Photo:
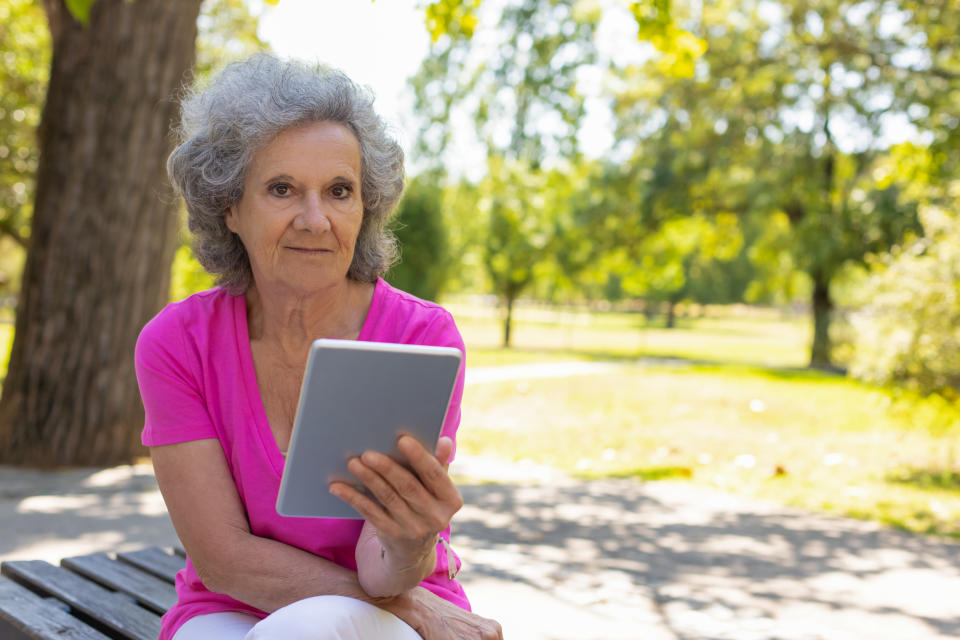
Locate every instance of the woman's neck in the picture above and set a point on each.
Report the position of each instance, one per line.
(290, 322)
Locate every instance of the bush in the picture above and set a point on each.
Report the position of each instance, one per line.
(424, 262)
(908, 330)
(187, 276)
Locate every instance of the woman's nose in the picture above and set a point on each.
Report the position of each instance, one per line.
(312, 217)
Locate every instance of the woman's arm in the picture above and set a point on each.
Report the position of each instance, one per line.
(210, 519)
(211, 522)
(397, 548)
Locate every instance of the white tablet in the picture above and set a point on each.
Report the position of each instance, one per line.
(360, 396)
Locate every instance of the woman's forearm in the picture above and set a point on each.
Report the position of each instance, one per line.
(268, 575)
(381, 573)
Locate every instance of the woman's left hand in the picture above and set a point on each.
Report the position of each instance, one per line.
(415, 504)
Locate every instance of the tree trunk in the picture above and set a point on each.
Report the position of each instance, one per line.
(822, 310)
(508, 318)
(103, 232)
(671, 314)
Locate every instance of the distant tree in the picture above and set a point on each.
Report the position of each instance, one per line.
(517, 241)
(785, 118)
(418, 225)
(525, 108)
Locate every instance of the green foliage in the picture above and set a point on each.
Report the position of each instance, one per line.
(24, 70)
(80, 9)
(226, 32)
(679, 49)
(187, 276)
(676, 256)
(418, 225)
(908, 332)
(781, 124)
(458, 19)
(453, 18)
(518, 233)
(538, 46)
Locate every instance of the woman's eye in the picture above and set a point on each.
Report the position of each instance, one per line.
(280, 189)
(340, 191)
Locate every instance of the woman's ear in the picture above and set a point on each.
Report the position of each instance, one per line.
(230, 218)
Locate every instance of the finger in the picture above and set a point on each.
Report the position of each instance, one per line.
(424, 512)
(444, 451)
(431, 472)
(385, 479)
(364, 505)
(394, 478)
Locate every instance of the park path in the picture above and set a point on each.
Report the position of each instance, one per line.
(554, 558)
(603, 560)
(619, 559)
(563, 369)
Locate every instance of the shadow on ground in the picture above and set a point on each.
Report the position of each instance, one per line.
(51, 514)
(716, 567)
(599, 559)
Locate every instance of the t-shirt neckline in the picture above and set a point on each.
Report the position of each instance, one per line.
(252, 390)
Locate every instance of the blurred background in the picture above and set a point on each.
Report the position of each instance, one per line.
(747, 211)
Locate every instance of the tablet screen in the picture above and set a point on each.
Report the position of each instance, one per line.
(359, 396)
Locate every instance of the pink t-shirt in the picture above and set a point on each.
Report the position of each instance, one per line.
(197, 381)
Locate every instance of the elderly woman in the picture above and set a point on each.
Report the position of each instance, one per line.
(289, 178)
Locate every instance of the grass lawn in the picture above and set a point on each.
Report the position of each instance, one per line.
(751, 337)
(755, 425)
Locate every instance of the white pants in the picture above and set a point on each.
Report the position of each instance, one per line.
(317, 618)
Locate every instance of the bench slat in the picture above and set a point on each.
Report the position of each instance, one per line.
(150, 591)
(155, 561)
(113, 610)
(23, 614)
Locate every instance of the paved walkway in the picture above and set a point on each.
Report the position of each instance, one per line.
(563, 369)
(597, 560)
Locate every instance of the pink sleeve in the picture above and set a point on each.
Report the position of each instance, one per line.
(173, 403)
(443, 332)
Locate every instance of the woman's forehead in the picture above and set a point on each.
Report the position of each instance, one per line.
(323, 145)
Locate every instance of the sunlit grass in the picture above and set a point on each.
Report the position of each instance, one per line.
(766, 340)
(734, 411)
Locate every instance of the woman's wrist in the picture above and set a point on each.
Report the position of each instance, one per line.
(383, 572)
(407, 561)
(406, 606)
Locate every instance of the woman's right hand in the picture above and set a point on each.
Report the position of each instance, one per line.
(437, 619)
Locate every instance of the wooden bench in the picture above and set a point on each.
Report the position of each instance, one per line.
(92, 597)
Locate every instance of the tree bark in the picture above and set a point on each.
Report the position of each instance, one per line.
(822, 312)
(103, 232)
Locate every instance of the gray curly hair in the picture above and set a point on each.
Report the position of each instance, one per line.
(242, 109)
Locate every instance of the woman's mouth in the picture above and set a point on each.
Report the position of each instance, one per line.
(311, 251)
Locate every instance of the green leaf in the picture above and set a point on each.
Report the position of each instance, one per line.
(80, 9)
(451, 17)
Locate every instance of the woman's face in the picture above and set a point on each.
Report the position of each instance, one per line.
(301, 210)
